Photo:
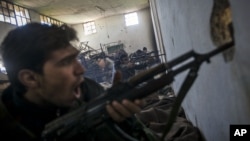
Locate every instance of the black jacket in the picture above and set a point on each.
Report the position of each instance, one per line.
(22, 120)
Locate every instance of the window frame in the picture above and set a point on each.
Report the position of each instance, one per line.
(14, 14)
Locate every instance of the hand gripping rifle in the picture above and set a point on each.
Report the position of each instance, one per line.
(91, 115)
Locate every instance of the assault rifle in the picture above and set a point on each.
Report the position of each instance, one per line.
(93, 114)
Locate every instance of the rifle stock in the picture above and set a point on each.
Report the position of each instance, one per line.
(139, 86)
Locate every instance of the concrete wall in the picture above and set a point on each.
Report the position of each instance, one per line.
(5, 28)
(220, 95)
(113, 29)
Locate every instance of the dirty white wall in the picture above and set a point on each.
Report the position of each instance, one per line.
(220, 95)
(5, 28)
(113, 29)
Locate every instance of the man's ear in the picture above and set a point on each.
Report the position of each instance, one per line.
(28, 78)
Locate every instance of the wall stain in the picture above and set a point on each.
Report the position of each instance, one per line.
(221, 27)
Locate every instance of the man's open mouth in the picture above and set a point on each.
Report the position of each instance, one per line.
(77, 92)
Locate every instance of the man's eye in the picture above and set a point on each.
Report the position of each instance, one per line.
(66, 62)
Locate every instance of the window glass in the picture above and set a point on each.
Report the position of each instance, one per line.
(48, 20)
(10, 13)
(89, 28)
(131, 19)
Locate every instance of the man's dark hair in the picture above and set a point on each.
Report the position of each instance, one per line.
(29, 46)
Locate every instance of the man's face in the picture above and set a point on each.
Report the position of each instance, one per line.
(125, 60)
(62, 76)
(101, 63)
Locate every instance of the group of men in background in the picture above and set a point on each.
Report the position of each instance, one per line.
(101, 67)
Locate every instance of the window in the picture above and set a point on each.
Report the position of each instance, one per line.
(47, 20)
(89, 28)
(131, 19)
(13, 14)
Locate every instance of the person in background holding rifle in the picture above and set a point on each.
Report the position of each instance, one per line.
(124, 65)
(46, 81)
(106, 67)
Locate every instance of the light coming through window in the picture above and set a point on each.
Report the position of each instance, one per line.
(131, 19)
(89, 28)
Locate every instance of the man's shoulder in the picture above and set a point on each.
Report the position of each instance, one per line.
(5, 117)
(11, 128)
(4, 113)
(2, 108)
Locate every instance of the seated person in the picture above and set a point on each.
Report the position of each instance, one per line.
(106, 69)
(123, 64)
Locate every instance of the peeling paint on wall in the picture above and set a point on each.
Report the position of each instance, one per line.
(222, 27)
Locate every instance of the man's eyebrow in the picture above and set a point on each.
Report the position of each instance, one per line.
(71, 56)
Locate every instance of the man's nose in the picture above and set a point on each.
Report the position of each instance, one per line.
(79, 69)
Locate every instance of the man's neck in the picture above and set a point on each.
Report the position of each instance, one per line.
(35, 98)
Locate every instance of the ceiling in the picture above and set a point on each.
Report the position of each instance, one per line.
(79, 11)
